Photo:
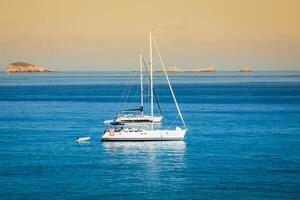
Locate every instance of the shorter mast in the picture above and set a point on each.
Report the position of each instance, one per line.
(167, 77)
(142, 89)
(151, 79)
(151, 76)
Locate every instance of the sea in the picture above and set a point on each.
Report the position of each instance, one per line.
(243, 139)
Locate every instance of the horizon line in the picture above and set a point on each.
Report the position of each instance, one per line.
(58, 71)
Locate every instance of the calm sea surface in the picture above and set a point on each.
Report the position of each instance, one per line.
(243, 140)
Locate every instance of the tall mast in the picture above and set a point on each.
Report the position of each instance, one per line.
(167, 77)
(151, 75)
(142, 92)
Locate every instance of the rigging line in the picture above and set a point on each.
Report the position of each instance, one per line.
(167, 77)
(122, 96)
(171, 125)
(126, 89)
(129, 90)
(155, 96)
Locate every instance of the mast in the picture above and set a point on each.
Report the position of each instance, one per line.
(142, 92)
(167, 77)
(151, 76)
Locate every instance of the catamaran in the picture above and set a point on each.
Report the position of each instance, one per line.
(124, 133)
(140, 117)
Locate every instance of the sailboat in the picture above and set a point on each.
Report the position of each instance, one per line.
(142, 134)
(135, 118)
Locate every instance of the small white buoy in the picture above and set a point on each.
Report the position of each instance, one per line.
(83, 139)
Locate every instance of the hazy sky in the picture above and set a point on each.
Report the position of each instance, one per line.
(108, 34)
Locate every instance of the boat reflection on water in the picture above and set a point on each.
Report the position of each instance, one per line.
(153, 146)
(147, 163)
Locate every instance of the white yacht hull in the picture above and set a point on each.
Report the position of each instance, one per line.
(144, 135)
(135, 119)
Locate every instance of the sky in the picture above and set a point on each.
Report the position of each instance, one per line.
(109, 34)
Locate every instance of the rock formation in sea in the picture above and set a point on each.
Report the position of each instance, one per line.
(173, 69)
(207, 69)
(25, 67)
(177, 69)
(246, 68)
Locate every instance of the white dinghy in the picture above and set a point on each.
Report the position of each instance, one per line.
(141, 134)
(83, 139)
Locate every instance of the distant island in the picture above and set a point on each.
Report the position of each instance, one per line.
(246, 68)
(176, 69)
(25, 67)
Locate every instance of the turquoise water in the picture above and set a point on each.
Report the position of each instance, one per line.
(243, 140)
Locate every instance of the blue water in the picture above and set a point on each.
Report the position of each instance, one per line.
(243, 140)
